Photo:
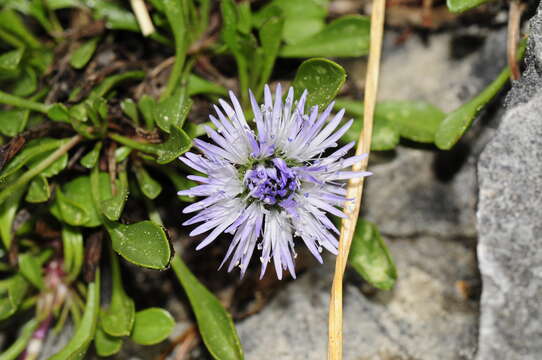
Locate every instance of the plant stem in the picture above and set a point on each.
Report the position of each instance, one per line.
(133, 144)
(177, 20)
(36, 170)
(355, 186)
(22, 103)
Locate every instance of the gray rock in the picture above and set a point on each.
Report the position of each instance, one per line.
(509, 221)
(510, 242)
(423, 318)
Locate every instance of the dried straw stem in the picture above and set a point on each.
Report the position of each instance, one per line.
(355, 186)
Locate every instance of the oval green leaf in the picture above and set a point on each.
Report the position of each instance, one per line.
(152, 326)
(13, 121)
(214, 322)
(370, 256)
(38, 190)
(149, 187)
(415, 120)
(105, 344)
(12, 293)
(322, 79)
(82, 55)
(345, 37)
(30, 267)
(118, 318)
(144, 243)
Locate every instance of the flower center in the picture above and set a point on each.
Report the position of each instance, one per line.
(271, 182)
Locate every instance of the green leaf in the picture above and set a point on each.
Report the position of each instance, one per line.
(198, 85)
(322, 78)
(12, 22)
(9, 63)
(244, 24)
(54, 169)
(118, 318)
(177, 16)
(270, 40)
(458, 6)
(78, 344)
(129, 108)
(13, 121)
(63, 4)
(214, 323)
(234, 41)
(38, 190)
(344, 37)
(177, 144)
(111, 81)
(385, 135)
(458, 121)
(12, 292)
(91, 158)
(73, 211)
(72, 244)
(26, 83)
(116, 17)
(31, 150)
(58, 112)
(152, 326)
(144, 243)
(173, 110)
(30, 268)
(415, 120)
(20, 344)
(149, 187)
(302, 18)
(105, 344)
(73, 203)
(8, 210)
(146, 105)
(370, 256)
(82, 55)
(112, 205)
(121, 153)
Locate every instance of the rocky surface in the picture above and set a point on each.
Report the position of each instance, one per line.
(509, 222)
(423, 318)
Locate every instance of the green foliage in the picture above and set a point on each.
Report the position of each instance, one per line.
(322, 79)
(370, 256)
(78, 344)
(152, 326)
(458, 121)
(413, 120)
(345, 37)
(459, 6)
(215, 324)
(82, 55)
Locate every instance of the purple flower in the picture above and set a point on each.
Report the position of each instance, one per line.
(271, 186)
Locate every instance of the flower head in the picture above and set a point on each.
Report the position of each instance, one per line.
(271, 186)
